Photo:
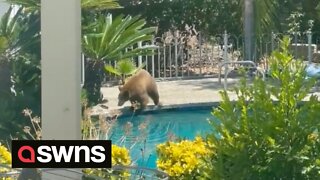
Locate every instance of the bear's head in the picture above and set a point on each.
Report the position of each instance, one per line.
(123, 96)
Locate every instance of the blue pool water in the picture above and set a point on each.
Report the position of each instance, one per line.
(141, 133)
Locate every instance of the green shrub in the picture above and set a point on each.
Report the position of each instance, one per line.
(269, 132)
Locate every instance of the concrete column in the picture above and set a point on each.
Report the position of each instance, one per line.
(61, 72)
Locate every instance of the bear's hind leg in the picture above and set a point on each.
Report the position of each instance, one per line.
(155, 97)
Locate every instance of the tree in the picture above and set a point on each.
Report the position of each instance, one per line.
(209, 16)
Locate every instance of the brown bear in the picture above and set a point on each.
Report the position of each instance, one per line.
(138, 88)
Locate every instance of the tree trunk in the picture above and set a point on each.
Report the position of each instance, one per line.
(5, 75)
(93, 80)
(248, 29)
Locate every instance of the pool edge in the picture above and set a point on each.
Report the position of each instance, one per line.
(126, 111)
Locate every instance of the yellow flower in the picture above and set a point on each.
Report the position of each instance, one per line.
(5, 158)
(5, 155)
(182, 158)
(120, 156)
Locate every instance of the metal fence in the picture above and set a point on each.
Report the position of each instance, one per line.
(190, 56)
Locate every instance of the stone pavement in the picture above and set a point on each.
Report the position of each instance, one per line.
(174, 92)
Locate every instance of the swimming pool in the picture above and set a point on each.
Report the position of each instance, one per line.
(141, 133)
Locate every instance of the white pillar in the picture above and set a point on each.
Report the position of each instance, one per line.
(60, 64)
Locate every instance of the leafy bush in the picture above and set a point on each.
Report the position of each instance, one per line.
(120, 156)
(269, 132)
(182, 160)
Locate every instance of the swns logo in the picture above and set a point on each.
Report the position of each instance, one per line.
(61, 154)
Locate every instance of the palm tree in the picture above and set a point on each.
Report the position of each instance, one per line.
(108, 40)
(124, 68)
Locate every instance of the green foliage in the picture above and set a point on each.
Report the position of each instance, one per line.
(265, 15)
(294, 24)
(210, 17)
(34, 5)
(100, 4)
(22, 92)
(20, 69)
(3, 44)
(214, 16)
(109, 39)
(124, 68)
(29, 5)
(259, 138)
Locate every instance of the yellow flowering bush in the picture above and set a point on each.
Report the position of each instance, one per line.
(5, 158)
(182, 159)
(120, 156)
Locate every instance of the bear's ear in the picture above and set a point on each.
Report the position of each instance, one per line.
(120, 87)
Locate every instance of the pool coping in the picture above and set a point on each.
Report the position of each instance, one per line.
(152, 109)
(126, 111)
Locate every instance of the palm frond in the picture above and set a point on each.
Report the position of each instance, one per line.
(34, 5)
(29, 5)
(3, 44)
(9, 22)
(124, 67)
(112, 38)
(100, 4)
(111, 69)
(265, 15)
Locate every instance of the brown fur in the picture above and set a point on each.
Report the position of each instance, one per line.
(138, 88)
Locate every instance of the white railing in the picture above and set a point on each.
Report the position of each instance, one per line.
(178, 57)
